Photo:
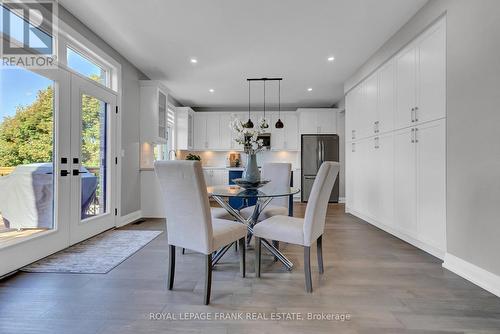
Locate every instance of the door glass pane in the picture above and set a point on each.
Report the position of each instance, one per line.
(94, 155)
(26, 154)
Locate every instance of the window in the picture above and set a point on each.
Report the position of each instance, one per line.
(86, 67)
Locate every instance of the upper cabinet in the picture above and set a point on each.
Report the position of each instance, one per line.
(184, 122)
(406, 91)
(206, 131)
(317, 120)
(421, 76)
(212, 131)
(153, 106)
(286, 138)
(386, 101)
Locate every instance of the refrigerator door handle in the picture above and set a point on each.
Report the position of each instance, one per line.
(319, 154)
(323, 152)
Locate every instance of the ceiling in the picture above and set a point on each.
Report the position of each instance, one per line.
(236, 39)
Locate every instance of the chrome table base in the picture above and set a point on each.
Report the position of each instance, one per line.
(250, 223)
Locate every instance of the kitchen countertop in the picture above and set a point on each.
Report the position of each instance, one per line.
(210, 167)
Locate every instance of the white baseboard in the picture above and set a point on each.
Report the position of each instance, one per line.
(342, 200)
(127, 219)
(401, 235)
(483, 278)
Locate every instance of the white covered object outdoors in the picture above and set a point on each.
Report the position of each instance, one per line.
(26, 195)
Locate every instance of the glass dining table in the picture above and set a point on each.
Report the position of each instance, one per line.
(222, 193)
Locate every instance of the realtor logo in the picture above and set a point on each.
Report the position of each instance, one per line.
(28, 34)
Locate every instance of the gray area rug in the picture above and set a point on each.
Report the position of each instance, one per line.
(97, 255)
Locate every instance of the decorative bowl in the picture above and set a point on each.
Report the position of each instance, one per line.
(250, 185)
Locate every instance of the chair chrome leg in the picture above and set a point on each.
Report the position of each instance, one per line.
(319, 244)
(257, 256)
(242, 256)
(183, 251)
(276, 245)
(171, 266)
(307, 268)
(208, 278)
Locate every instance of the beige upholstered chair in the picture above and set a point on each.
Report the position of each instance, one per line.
(189, 222)
(279, 173)
(300, 231)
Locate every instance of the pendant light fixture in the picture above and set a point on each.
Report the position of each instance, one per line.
(264, 124)
(279, 124)
(249, 123)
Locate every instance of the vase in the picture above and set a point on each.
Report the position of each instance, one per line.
(251, 172)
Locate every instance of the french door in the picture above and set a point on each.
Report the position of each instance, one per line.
(62, 189)
(93, 164)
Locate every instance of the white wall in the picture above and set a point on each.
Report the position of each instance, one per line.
(130, 180)
(473, 121)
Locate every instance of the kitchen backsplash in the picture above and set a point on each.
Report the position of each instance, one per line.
(220, 159)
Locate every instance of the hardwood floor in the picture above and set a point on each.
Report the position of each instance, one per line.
(383, 283)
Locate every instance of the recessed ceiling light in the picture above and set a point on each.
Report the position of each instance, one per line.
(309, 89)
(211, 90)
(194, 60)
(332, 58)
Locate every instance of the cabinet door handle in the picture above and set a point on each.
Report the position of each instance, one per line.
(416, 139)
(416, 117)
(412, 115)
(353, 148)
(412, 135)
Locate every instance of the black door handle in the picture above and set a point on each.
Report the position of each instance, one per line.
(77, 172)
(64, 172)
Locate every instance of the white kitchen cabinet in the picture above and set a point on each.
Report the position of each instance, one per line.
(200, 131)
(213, 131)
(384, 179)
(431, 76)
(317, 120)
(404, 181)
(285, 138)
(352, 112)
(206, 131)
(350, 168)
(214, 177)
(153, 106)
(226, 141)
(421, 79)
(430, 142)
(368, 108)
(386, 98)
(184, 125)
(406, 88)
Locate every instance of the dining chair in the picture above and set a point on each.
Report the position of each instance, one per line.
(189, 222)
(279, 174)
(302, 231)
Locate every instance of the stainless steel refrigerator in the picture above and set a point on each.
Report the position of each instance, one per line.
(314, 150)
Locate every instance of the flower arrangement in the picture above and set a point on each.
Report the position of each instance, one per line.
(248, 137)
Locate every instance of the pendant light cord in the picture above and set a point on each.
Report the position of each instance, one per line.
(279, 99)
(264, 100)
(249, 100)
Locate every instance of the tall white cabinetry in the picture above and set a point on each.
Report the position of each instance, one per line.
(396, 144)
